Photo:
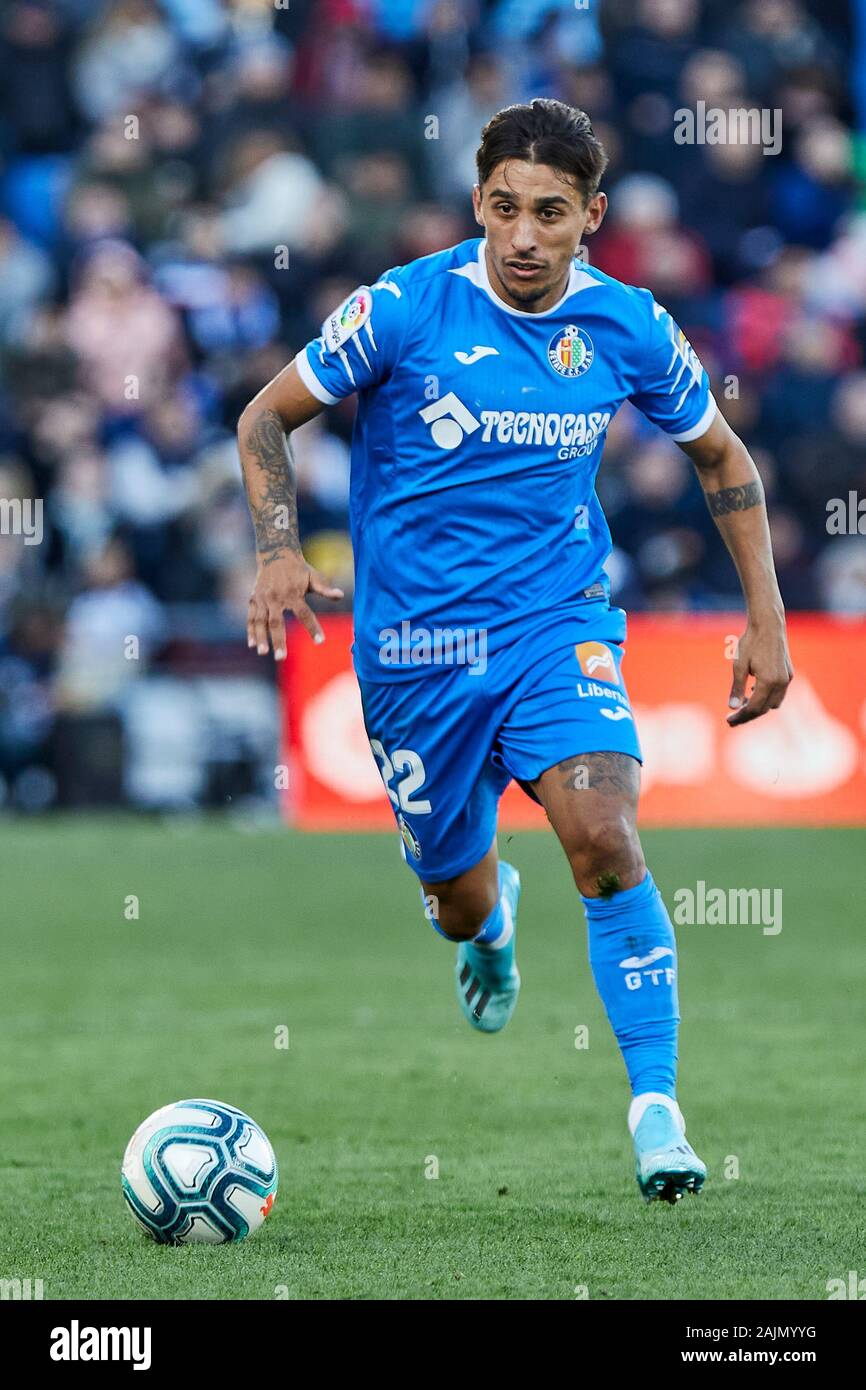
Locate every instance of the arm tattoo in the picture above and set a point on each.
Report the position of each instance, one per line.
(274, 510)
(735, 499)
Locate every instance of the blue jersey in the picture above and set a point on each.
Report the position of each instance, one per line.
(478, 437)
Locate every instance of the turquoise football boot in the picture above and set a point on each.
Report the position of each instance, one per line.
(667, 1165)
(488, 981)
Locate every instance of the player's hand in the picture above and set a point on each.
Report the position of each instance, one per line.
(281, 584)
(762, 653)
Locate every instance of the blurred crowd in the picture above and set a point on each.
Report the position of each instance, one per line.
(187, 187)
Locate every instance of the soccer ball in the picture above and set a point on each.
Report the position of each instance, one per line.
(199, 1170)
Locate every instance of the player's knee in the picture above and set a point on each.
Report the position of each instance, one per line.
(609, 856)
(458, 916)
(460, 928)
(605, 837)
(461, 922)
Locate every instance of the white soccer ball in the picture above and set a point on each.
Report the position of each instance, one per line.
(199, 1170)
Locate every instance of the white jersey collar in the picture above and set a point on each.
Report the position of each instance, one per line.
(476, 272)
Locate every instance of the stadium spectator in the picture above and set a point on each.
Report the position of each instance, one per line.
(188, 189)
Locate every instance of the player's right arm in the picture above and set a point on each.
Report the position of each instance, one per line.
(283, 577)
(356, 350)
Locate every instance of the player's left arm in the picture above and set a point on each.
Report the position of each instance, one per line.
(735, 497)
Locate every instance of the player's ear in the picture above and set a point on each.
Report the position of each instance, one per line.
(476, 205)
(596, 209)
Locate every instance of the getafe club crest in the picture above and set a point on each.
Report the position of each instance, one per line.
(570, 351)
(410, 839)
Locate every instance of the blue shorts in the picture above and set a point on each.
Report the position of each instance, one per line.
(448, 741)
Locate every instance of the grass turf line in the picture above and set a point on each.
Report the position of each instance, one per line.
(240, 933)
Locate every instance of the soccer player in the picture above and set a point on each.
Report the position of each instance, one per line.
(486, 645)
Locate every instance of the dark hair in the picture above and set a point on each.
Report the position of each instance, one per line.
(544, 132)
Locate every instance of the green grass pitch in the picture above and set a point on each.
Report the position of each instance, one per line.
(243, 932)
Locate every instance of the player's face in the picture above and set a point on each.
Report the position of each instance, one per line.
(534, 217)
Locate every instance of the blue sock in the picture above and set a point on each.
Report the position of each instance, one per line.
(632, 952)
(493, 926)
